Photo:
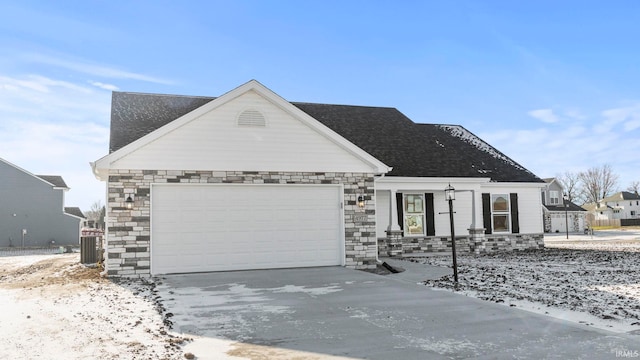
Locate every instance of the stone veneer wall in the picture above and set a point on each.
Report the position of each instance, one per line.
(129, 231)
(442, 244)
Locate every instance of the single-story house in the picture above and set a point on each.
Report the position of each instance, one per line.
(33, 212)
(249, 180)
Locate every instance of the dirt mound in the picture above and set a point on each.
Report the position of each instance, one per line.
(51, 270)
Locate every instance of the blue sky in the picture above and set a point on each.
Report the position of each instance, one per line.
(552, 84)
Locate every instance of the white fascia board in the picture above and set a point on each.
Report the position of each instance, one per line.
(515, 185)
(73, 216)
(424, 183)
(101, 166)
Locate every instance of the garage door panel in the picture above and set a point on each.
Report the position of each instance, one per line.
(235, 227)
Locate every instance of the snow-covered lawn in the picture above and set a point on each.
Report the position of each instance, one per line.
(590, 280)
(55, 308)
(52, 307)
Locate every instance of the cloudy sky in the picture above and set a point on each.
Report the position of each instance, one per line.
(553, 84)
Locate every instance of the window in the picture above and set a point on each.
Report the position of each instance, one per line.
(413, 214)
(554, 197)
(500, 212)
(633, 213)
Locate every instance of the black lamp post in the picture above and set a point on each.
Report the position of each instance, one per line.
(450, 195)
(565, 197)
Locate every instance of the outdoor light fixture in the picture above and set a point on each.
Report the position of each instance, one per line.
(361, 201)
(129, 203)
(565, 197)
(450, 195)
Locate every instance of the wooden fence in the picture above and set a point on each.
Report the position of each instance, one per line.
(605, 223)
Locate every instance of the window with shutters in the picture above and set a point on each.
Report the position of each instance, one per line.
(414, 214)
(500, 212)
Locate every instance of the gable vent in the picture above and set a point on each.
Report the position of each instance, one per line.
(251, 118)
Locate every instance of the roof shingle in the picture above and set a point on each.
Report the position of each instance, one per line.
(413, 150)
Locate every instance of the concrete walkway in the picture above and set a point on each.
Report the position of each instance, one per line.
(318, 313)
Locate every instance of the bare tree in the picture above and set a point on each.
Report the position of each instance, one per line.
(598, 182)
(634, 187)
(571, 184)
(96, 214)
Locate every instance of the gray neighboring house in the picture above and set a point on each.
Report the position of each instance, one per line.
(32, 212)
(556, 216)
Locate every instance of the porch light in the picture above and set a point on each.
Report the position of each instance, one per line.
(449, 193)
(361, 201)
(129, 203)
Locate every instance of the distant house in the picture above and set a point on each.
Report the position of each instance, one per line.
(249, 180)
(622, 205)
(32, 212)
(558, 213)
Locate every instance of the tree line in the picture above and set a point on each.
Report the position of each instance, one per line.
(594, 184)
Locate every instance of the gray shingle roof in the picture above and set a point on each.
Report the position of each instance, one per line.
(55, 180)
(621, 196)
(134, 115)
(75, 211)
(415, 150)
(571, 207)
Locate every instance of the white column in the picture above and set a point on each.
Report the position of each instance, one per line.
(393, 212)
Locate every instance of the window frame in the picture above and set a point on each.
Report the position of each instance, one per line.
(554, 197)
(406, 214)
(502, 213)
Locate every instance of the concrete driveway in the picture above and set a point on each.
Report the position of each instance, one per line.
(318, 313)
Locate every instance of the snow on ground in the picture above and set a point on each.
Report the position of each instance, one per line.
(55, 308)
(592, 280)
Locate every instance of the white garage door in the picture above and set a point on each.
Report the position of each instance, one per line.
(197, 228)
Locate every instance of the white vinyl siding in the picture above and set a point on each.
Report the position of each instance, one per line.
(530, 216)
(383, 203)
(215, 141)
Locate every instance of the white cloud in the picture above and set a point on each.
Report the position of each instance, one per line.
(632, 124)
(109, 87)
(55, 127)
(544, 115)
(574, 114)
(93, 69)
(580, 142)
(628, 116)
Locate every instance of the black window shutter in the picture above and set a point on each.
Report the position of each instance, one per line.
(399, 207)
(515, 221)
(431, 215)
(486, 212)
